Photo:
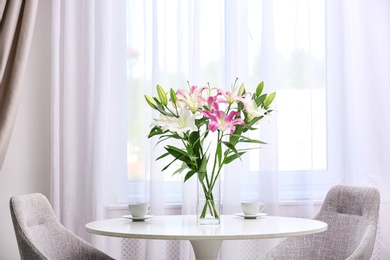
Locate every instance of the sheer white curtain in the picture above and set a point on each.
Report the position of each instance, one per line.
(279, 42)
(88, 111)
(328, 66)
(358, 57)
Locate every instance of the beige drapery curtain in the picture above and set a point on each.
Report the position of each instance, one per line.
(17, 19)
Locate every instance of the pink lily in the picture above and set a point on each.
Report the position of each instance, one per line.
(192, 99)
(230, 97)
(219, 120)
(212, 103)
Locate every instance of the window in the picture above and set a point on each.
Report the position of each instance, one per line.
(171, 40)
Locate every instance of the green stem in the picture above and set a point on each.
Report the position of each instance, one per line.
(213, 176)
(209, 202)
(208, 184)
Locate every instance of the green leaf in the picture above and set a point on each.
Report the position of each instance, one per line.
(174, 150)
(251, 123)
(189, 175)
(236, 154)
(155, 131)
(194, 147)
(181, 169)
(230, 146)
(166, 135)
(249, 149)
(240, 106)
(161, 109)
(260, 99)
(202, 121)
(269, 99)
(245, 139)
(162, 156)
(169, 164)
(178, 154)
(233, 138)
(194, 140)
(232, 157)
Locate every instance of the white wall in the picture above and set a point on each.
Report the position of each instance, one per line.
(26, 167)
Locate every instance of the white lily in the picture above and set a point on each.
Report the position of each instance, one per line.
(254, 111)
(182, 124)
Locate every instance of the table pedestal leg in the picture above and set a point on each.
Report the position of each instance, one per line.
(206, 249)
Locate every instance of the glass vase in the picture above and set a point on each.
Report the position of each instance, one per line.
(208, 206)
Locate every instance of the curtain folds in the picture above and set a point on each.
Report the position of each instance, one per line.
(17, 19)
(329, 67)
(89, 97)
(358, 66)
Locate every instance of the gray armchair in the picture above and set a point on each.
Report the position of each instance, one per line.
(352, 217)
(41, 236)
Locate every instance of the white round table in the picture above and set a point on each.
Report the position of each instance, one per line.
(206, 240)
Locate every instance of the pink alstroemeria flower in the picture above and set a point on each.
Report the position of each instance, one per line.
(219, 120)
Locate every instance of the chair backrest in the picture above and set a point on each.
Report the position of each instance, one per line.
(352, 216)
(41, 236)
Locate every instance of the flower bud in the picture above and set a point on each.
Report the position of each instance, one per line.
(151, 102)
(269, 99)
(162, 95)
(173, 96)
(259, 88)
(241, 90)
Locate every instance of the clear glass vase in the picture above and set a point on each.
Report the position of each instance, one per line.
(208, 207)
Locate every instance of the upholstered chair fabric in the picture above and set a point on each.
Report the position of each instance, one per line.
(352, 217)
(41, 236)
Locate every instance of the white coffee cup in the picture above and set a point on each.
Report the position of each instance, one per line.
(252, 207)
(139, 210)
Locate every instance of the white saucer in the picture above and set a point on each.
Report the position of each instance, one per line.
(260, 214)
(138, 218)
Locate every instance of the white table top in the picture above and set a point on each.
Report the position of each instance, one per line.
(184, 227)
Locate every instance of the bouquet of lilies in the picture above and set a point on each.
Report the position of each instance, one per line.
(189, 115)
